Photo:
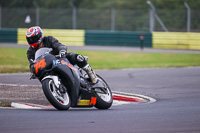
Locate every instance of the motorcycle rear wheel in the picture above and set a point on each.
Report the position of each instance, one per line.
(60, 101)
(104, 101)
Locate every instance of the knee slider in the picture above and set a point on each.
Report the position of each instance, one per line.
(81, 62)
(80, 58)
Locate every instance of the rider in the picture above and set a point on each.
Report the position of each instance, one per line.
(37, 40)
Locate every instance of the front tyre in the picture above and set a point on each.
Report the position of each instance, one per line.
(104, 101)
(60, 100)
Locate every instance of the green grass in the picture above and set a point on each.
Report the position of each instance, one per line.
(15, 60)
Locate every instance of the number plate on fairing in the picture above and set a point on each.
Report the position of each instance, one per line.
(84, 102)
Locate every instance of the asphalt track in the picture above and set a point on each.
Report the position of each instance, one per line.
(177, 109)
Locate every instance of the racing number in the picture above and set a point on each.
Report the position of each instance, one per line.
(39, 64)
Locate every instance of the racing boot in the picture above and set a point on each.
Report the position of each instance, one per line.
(93, 77)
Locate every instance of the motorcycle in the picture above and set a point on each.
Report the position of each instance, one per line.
(66, 85)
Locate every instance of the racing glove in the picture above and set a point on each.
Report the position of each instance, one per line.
(62, 53)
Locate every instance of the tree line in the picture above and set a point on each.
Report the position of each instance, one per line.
(131, 15)
(99, 4)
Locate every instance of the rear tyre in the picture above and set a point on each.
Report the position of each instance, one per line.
(60, 100)
(104, 101)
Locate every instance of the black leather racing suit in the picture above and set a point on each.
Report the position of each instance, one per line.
(51, 42)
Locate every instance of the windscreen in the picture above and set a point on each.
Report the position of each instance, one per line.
(42, 51)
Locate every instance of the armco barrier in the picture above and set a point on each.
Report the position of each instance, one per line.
(176, 40)
(163, 40)
(8, 35)
(117, 38)
(66, 37)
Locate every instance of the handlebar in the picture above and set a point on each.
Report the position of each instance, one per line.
(58, 56)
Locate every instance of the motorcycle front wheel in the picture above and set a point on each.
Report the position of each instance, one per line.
(60, 100)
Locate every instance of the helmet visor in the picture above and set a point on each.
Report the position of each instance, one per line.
(33, 39)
